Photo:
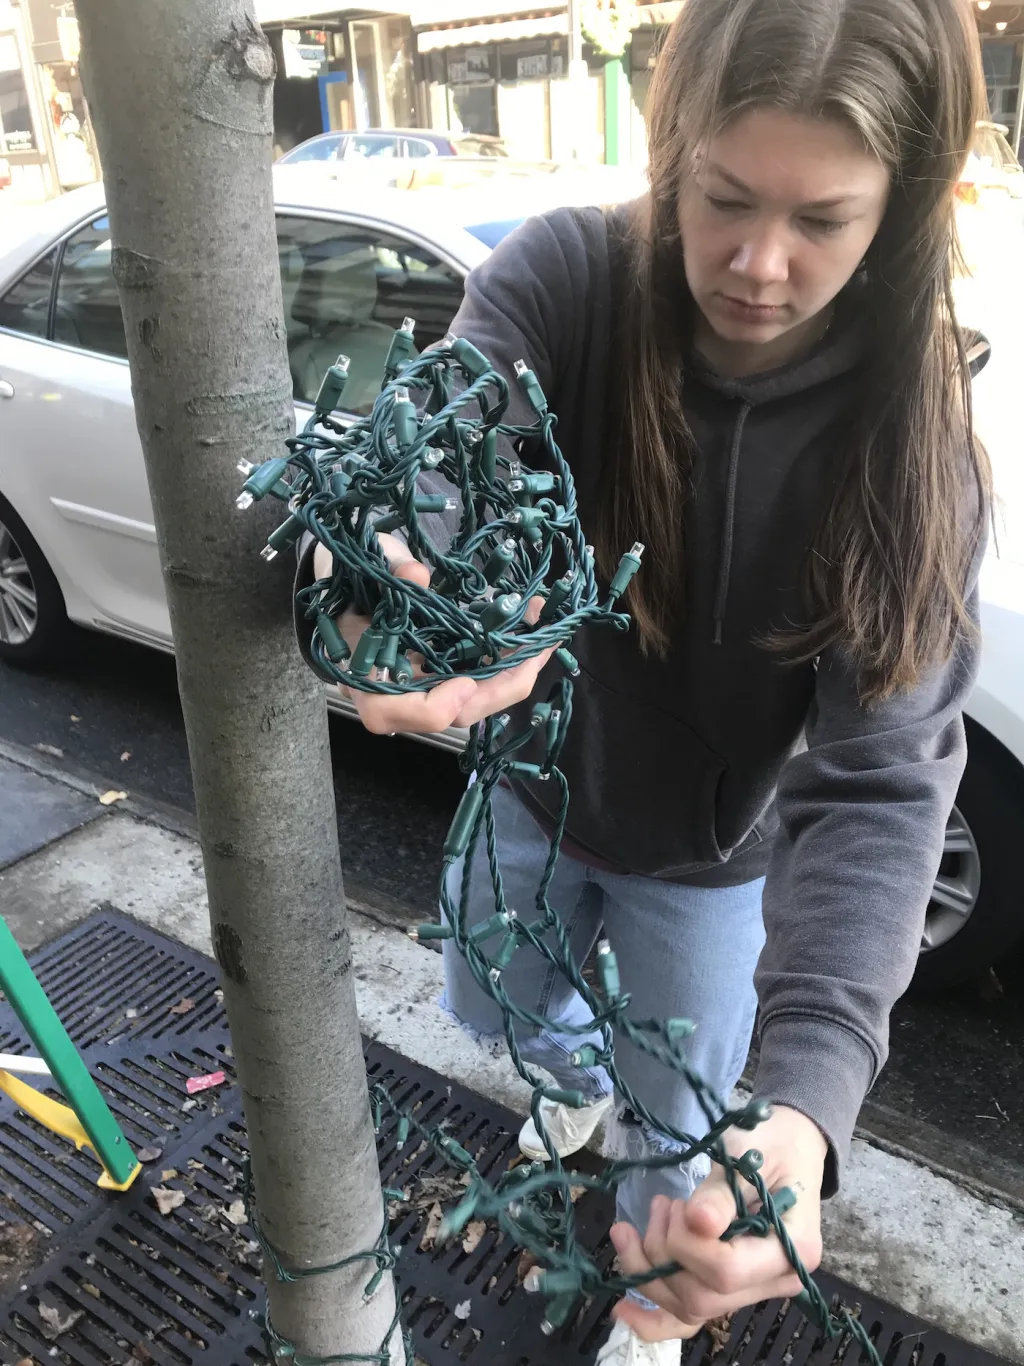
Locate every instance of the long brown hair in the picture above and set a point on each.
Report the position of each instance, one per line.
(886, 577)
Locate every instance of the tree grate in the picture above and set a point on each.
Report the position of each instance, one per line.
(91, 1279)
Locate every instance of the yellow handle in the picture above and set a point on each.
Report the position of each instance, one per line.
(59, 1119)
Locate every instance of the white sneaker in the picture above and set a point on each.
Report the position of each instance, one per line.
(624, 1348)
(569, 1129)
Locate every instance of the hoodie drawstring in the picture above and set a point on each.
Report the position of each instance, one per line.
(728, 523)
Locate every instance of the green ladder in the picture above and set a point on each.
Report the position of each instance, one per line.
(86, 1121)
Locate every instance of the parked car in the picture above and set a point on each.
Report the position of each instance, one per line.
(77, 538)
(392, 142)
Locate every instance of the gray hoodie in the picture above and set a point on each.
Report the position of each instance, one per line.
(722, 762)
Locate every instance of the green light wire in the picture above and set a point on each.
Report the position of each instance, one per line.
(516, 536)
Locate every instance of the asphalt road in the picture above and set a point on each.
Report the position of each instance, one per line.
(952, 1090)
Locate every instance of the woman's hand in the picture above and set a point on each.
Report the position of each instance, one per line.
(720, 1278)
(457, 701)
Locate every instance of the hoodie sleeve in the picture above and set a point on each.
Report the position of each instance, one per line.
(862, 822)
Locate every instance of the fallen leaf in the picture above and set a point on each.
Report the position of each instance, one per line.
(183, 1007)
(463, 1310)
(719, 1331)
(474, 1232)
(218, 996)
(235, 1213)
(51, 750)
(491, 1283)
(126, 756)
(140, 1352)
(90, 1289)
(109, 798)
(194, 1084)
(75, 718)
(575, 1192)
(527, 1261)
(149, 1154)
(54, 1326)
(433, 1226)
(187, 1105)
(196, 1166)
(169, 1174)
(167, 1200)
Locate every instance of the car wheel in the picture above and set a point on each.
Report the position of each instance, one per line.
(33, 619)
(974, 917)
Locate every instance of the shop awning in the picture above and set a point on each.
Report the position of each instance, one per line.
(439, 13)
(296, 12)
(505, 31)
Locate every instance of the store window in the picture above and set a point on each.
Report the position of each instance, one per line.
(1002, 63)
(16, 131)
(473, 103)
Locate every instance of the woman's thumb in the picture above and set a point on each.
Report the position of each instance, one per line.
(412, 570)
(712, 1207)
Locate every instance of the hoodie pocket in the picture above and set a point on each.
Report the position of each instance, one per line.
(643, 785)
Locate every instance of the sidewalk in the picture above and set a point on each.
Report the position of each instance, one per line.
(899, 1230)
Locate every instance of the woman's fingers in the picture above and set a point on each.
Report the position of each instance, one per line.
(418, 713)
(503, 691)
(653, 1325)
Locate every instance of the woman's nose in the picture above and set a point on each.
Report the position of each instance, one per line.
(763, 259)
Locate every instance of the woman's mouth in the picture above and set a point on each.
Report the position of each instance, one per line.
(751, 313)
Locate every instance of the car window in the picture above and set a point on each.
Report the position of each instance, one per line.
(87, 312)
(371, 145)
(317, 149)
(26, 305)
(345, 290)
(418, 147)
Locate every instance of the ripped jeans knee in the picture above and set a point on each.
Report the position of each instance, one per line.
(627, 1138)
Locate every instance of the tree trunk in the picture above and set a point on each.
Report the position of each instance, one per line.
(181, 101)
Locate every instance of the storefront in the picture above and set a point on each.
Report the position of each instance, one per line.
(500, 71)
(341, 69)
(46, 142)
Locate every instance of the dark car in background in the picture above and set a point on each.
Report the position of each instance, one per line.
(393, 142)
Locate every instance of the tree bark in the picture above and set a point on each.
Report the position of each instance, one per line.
(181, 101)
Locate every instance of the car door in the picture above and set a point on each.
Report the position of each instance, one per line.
(74, 469)
(346, 286)
(79, 479)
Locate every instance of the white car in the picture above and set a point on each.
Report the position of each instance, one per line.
(77, 538)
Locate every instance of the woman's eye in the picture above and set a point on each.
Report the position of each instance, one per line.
(726, 205)
(824, 225)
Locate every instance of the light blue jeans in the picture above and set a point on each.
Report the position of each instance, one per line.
(685, 952)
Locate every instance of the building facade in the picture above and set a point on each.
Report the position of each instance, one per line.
(46, 141)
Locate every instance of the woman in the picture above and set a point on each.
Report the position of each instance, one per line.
(756, 375)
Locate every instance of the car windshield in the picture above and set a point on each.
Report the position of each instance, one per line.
(492, 233)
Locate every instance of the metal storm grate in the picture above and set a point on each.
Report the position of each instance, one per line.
(89, 1279)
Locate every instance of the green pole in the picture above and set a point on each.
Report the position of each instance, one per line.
(39, 1018)
(616, 125)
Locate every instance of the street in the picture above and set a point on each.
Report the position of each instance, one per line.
(950, 1093)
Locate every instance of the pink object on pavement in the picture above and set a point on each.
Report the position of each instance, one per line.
(195, 1084)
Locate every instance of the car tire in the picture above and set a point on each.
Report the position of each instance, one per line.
(28, 639)
(991, 805)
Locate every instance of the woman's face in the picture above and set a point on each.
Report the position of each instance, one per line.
(774, 220)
